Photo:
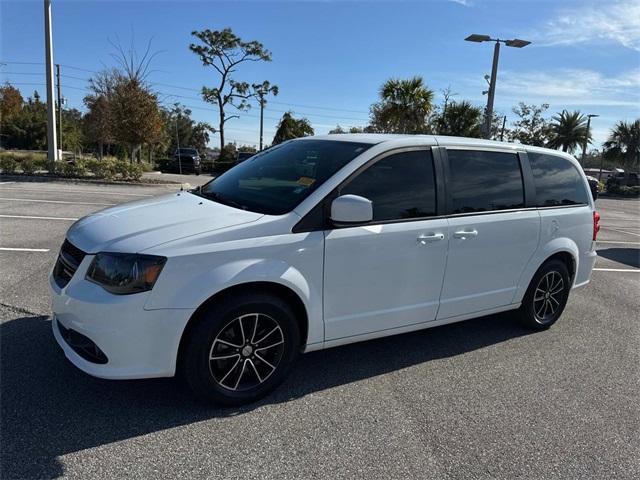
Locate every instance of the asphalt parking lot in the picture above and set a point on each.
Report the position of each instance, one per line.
(479, 399)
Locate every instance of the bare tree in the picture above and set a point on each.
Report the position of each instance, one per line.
(224, 51)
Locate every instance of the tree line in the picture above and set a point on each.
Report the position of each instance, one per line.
(406, 106)
(125, 118)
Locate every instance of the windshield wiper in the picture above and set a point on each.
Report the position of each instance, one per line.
(216, 197)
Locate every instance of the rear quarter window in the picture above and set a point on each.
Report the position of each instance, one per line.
(558, 182)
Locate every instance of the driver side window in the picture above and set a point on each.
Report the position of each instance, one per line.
(401, 186)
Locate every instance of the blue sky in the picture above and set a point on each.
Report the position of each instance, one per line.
(330, 57)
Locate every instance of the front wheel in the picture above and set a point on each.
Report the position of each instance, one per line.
(546, 296)
(241, 349)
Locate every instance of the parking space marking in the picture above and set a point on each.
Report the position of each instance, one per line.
(35, 200)
(10, 249)
(77, 191)
(30, 217)
(614, 241)
(616, 270)
(621, 231)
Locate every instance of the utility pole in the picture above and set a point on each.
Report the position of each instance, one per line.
(504, 122)
(260, 90)
(51, 113)
(178, 146)
(261, 97)
(586, 139)
(59, 105)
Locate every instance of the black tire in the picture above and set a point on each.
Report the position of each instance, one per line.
(541, 307)
(223, 324)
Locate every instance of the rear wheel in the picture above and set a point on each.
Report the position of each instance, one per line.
(241, 349)
(546, 296)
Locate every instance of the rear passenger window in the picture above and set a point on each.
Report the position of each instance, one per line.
(401, 186)
(557, 181)
(484, 181)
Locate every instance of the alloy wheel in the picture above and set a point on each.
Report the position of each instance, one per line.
(246, 352)
(548, 296)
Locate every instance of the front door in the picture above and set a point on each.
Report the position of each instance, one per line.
(388, 273)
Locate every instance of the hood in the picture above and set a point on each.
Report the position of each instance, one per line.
(136, 226)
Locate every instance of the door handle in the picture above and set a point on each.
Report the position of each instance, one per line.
(424, 239)
(464, 234)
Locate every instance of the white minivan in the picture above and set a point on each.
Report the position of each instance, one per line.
(318, 242)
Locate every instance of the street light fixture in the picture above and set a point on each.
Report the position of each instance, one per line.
(515, 43)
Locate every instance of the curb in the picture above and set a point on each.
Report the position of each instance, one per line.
(47, 178)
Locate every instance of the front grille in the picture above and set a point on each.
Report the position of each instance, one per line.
(82, 345)
(69, 260)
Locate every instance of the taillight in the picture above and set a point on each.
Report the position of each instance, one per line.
(596, 224)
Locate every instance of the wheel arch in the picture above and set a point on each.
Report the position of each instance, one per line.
(276, 289)
(562, 249)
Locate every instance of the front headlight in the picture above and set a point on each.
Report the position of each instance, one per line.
(125, 273)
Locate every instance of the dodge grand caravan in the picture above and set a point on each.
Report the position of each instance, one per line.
(319, 242)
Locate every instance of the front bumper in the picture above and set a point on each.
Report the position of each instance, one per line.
(137, 343)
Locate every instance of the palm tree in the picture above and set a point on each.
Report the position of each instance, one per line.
(568, 131)
(624, 142)
(460, 119)
(404, 106)
(290, 127)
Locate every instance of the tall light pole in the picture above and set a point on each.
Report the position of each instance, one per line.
(516, 43)
(586, 138)
(51, 111)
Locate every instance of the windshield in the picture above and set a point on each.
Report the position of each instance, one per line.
(275, 181)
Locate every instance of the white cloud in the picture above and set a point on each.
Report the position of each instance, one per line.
(569, 87)
(602, 21)
(466, 3)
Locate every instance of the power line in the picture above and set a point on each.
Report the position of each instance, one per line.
(307, 114)
(190, 89)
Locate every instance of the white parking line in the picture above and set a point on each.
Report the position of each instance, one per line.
(55, 201)
(77, 191)
(39, 218)
(621, 231)
(9, 249)
(637, 270)
(613, 241)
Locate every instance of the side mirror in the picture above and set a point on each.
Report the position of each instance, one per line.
(351, 209)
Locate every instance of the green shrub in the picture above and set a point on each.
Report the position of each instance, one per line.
(134, 171)
(31, 164)
(624, 191)
(630, 191)
(74, 169)
(8, 164)
(104, 168)
(146, 167)
(121, 167)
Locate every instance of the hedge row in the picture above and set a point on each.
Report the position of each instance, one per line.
(624, 191)
(106, 168)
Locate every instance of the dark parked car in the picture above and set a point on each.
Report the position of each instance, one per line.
(186, 160)
(593, 186)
